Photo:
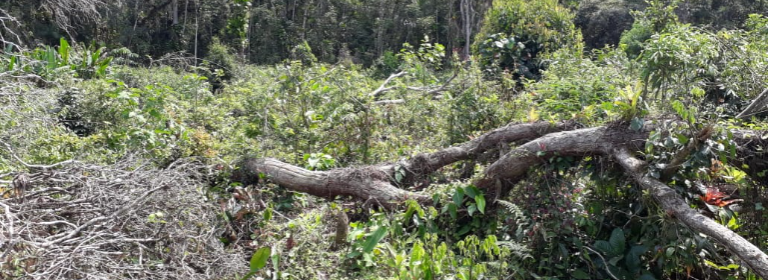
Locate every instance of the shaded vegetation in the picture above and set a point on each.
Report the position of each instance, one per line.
(207, 139)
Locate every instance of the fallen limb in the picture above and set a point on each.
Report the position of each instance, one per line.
(544, 141)
(383, 87)
(378, 182)
(756, 259)
(367, 183)
(756, 107)
(513, 166)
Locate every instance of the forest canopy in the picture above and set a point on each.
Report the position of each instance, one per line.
(386, 139)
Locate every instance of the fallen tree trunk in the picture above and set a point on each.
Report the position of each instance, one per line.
(544, 141)
(378, 182)
(425, 164)
(368, 183)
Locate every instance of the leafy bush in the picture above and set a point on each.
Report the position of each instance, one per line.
(517, 34)
(653, 19)
(603, 22)
(302, 52)
(219, 64)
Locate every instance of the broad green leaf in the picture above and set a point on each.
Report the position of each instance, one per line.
(670, 251)
(472, 191)
(580, 274)
(260, 257)
(617, 241)
(480, 200)
(374, 239)
(471, 209)
(464, 230)
(603, 246)
(458, 196)
(632, 259)
(453, 210)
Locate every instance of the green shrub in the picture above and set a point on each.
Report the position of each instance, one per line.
(302, 52)
(654, 19)
(516, 34)
(219, 64)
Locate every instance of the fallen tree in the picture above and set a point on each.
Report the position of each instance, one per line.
(537, 142)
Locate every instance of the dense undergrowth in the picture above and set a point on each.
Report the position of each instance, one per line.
(569, 220)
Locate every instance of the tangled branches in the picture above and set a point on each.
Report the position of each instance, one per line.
(66, 13)
(126, 221)
(8, 34)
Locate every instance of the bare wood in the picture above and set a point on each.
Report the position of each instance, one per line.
(513, 166)
(367, 183)
(383, 87)
(757, 106)
(616, 141)
(377, 182)
(424, 164)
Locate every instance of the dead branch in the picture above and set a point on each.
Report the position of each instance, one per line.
(756, 107)
(378, 182)
(8, 26)
(82, 221)
(755, 258)
(612, 140)
(431, 90)
(436, 90)
(389, 102)
(367, 183)
(383, 87)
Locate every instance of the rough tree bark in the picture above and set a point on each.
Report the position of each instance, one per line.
(674, 204)
(378, 182)
(538, 142)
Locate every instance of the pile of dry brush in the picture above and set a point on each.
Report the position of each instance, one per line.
(74, 220)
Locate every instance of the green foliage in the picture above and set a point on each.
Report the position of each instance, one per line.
(258, 261)
(585, 89)
(319, 161)
(303, 53)
(387, 64)
(86, 62)
(219, 64)
(654, 19)
(574, 217)
(517, 35)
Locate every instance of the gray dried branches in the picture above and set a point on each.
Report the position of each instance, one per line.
(122, 221)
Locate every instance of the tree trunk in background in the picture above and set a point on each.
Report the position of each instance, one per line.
(467, 17)
(175, 5)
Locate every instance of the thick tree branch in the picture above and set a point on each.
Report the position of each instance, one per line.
(513, 166)
(368, 183)
(378, 182)
(424, 164)
(756, 259)
(756, 107)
